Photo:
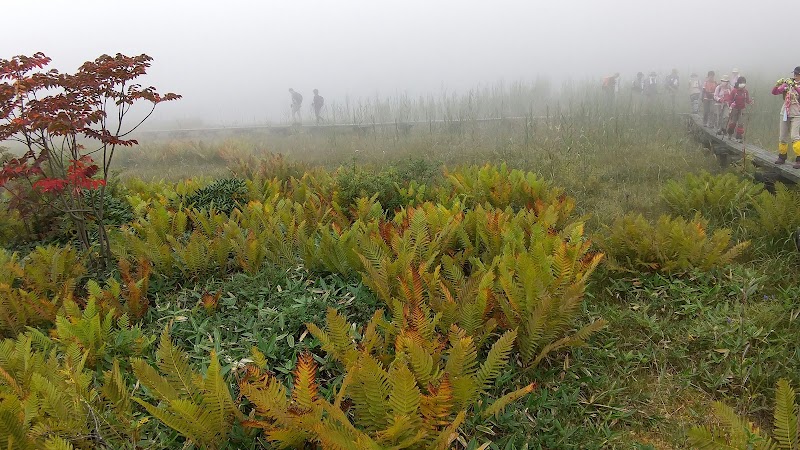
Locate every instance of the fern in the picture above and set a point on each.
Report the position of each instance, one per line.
(671, 245)
(53, 271)
(405, 391)
(20, 308)
(99, 335)
(62, 406)
(775, 220)
(721, 198)
(786, 417)
(737, 433)
(198, 406)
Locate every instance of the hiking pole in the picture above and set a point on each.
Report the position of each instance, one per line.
(744, 141)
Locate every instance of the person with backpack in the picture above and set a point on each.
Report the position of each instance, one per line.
(738, 99)
(297, 102)
(610, 87)
(709, 86)
(672, 82)
(694, 93)
(317, 103)
(637, 88)
(722, 99)
(651, 85)
(789, 88)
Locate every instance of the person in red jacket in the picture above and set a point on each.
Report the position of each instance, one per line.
(738, 99)
(789, 88)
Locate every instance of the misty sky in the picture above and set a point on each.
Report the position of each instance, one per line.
(233, 61)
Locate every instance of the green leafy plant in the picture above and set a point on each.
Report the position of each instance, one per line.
(721, 198)
(408, 386)
(49, 400)
(53, 270)
(671, 245)
(542, 290)
(740, 434)
(100, 336)
(777, 218)
(501, 187)
(198, 406)
(222, 195)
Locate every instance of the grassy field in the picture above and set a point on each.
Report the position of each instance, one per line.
(675, 342)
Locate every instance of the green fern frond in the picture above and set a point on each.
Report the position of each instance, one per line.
(786, 416)
(175, 365)
(405, 395)
(495, 361)
(500, 404)
(57, 443)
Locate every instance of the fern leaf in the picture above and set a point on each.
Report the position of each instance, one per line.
(216, 396)
(786, 416)
(57, 443)
(437, 407)
(304, 393)
(405, 396)
(450, 434)
(498, 405)
(704, 439)
(496, 360)
(151, 379)
(577, 339)
(175, 365)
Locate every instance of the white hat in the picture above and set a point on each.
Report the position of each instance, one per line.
(735, 70)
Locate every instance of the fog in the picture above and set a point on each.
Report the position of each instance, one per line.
(234, 61)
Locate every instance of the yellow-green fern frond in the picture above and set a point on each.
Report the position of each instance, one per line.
(304, 393)
(786, 416)
(499, 405)
(495, 361)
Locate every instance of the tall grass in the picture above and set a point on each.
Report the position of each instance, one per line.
(612, 158)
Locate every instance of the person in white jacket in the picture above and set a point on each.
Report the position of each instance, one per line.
(721, 99)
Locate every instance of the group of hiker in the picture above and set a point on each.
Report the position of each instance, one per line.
(724, 103)
(724, 108)
(297, 103)
(644, 90)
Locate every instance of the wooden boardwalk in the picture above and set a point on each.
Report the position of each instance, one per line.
(358, 127)
(727, 150)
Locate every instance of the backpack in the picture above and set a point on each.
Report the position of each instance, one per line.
(651, 85)
(708, 89)
(672, 81)
(739, 98)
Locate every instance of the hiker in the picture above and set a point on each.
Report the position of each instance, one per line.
(637, 88)
(610, 87)
(738, 99)
(638, 84)
(734, 76)
(694, 93)
(709, 86)
(672, 82)
(722, 99)
(651, 85)
(317, 104)
(297, 102)
(789, 88)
